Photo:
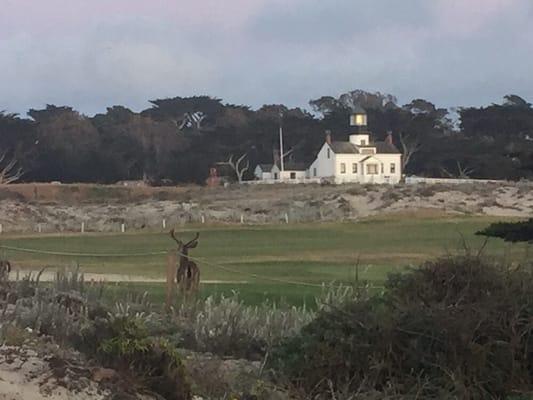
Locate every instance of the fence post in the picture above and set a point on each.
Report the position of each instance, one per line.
(39, 228)
(286, 218)
(203, 219)
(123, 228)
(164, 223)
(242, 219)
(1, 229)
(83, 227)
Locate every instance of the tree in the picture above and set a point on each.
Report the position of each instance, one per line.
(237, 167)
(513, 100)
(9, 171)
(410, 146)
(462, 172)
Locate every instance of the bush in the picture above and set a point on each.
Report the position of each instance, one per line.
(227, 327)
(510, 231)
(152, 360)
(454, 328)
(117, 338)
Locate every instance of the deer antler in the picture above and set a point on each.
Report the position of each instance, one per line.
(173, 236)
(193, 240)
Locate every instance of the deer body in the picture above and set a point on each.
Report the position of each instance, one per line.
(188, 273)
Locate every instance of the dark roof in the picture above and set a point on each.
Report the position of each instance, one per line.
(349, 148)
(343, 148)
(358, 110)
(294, 166)
(265, 167)
(384, 147)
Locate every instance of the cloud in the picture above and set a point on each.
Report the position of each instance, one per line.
(99, 53)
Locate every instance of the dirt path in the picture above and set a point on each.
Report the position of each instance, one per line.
(49, 276)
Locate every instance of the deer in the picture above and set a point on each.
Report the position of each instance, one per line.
(188, 274)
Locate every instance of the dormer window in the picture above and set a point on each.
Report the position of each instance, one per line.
(369, 150)
(363, 142)
(329, 153)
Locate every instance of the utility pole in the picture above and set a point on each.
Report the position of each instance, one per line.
(282, 165)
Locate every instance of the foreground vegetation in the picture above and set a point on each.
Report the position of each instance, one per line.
(457, 327)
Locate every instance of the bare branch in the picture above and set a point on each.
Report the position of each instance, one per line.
(462, 172)
(9, 173)
(236, 166)
(410, 146)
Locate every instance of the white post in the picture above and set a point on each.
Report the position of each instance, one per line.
(286, 218)
(83, 227)
(242, 219)
(1, 229)
(282, 165)
(164, 223)
(203, 219)
(39, 228)
(123, 228)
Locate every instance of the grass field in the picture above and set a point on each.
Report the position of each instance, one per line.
(313, 253)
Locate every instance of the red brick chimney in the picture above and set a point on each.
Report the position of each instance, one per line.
(328, 136)
(388, 139)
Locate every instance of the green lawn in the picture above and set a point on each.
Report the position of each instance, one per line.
(311, 253)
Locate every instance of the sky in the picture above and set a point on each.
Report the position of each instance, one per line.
(98, 53)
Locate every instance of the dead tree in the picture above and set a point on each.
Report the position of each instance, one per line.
(410, 146)
(237, 167)
(188, 273)
(9, 172)
(462, 172)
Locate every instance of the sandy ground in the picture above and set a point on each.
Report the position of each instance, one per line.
(26, 376)
(259, 204)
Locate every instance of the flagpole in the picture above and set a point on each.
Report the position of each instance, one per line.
(281, 142)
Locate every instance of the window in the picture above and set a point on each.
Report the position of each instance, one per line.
(372, 169)
(354, 168)
(363, 142)
(314, 171)
(275, 175)
(343, 168)
(293, 175)
(368, 151)
(393, 168)
(329, 155)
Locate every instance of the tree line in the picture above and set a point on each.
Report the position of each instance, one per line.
(179, 139)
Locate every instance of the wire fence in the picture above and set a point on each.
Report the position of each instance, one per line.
(202, 261)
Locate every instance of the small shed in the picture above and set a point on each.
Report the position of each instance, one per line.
(263, 171)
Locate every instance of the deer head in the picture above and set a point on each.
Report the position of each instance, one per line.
(183, 248)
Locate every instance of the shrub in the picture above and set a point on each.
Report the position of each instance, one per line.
(357, 190)
(510, 231)
(117, 337)
(158, 365)
(454, 328)
(227, 327)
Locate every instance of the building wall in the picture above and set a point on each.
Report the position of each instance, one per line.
(325, 167)
(298, 175)
(361, 176)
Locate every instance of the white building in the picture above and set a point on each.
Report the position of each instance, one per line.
(272, 173)
(263, 172)
(359, 159)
